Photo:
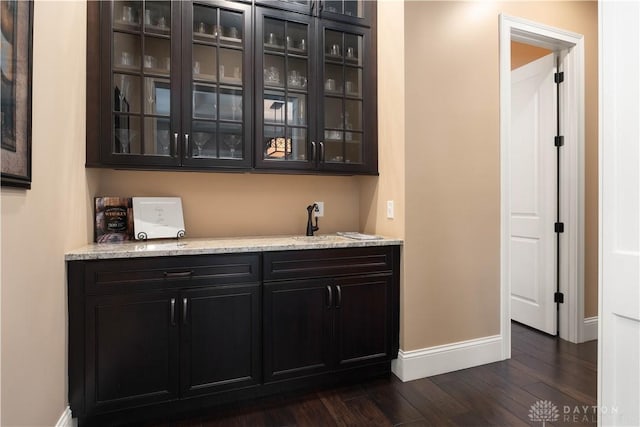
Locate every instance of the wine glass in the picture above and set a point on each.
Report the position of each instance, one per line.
(125, 136)
(232, 142)
(163, 140)
(200, 138)
(236, 108)
(151, 96)
(124, 90)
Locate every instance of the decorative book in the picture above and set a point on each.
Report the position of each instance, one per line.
(114, 219)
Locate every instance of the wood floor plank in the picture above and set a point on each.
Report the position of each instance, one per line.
(559, 383)
(395, 407)
(430, 411)
(417, 423)
(515, 399)
(483, 404)
(311, 413)
(356, 411)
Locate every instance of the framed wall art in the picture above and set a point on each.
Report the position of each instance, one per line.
(16, 65)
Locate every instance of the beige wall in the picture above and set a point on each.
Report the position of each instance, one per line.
(452, 229)
(390, 185)
(228, 204)
(40, 224)
(522, 54)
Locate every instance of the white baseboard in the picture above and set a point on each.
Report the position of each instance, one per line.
(590, 329)
(426, 362)
(65, 419)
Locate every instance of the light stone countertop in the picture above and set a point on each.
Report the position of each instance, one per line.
(225, 245)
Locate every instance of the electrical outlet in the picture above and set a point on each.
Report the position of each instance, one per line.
(390, 213)
(319, 209)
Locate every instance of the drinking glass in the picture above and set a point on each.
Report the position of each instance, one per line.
(200, 138)
(124, 136)
(150, 93)
(127, 13)
(124, 90)
(163, 139)
(231, 143)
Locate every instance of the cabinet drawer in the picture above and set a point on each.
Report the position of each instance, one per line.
(327, 262)
(138, 274)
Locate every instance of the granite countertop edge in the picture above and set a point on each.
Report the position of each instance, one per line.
(205, 246)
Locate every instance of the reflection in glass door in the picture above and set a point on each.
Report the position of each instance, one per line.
(141, 78)
(217, 87)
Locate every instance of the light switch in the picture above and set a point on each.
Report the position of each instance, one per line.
(390, 213)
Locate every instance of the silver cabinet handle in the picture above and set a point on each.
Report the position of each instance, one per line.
(187, 153)
(184, 311)
(173, 312)
(175, 144)
(321, 151)
(313, 150)
(177, 274)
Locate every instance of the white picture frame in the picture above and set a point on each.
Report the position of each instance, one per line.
(157, 218)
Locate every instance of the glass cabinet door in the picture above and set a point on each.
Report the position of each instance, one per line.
(283, 101)
(141, 87)
(300, 6)
(343, 100)
(354, 11)
(216, 106)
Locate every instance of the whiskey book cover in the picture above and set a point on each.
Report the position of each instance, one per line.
(114, 219)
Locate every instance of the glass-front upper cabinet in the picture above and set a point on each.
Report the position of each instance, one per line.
(179, 85)
(348, 100)
(217, 87)
(285, 109)
(140, 88)
(359, 12)
(300, 6)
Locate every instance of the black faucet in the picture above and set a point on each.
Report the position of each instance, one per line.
(310, 227)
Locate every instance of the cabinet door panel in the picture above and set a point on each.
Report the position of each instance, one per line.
(300, 6)
(363, 320)
(140, 97)
(285, 94)
(348, 114)
(359, 12)
(297, 328)
(220, 338)
(131, 350)
(216, 85)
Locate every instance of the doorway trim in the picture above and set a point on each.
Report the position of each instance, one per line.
(570, 46)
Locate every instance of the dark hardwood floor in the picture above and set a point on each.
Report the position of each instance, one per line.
(542, 368)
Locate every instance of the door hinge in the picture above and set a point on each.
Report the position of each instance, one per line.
(559, 141)
(558, 297)
(558, 77)
(559, 227)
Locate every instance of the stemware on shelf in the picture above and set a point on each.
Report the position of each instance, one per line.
(200, 138)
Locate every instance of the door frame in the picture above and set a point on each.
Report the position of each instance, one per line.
(571, 48)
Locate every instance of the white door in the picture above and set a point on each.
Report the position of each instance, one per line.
(619, 334)
(532, 169)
